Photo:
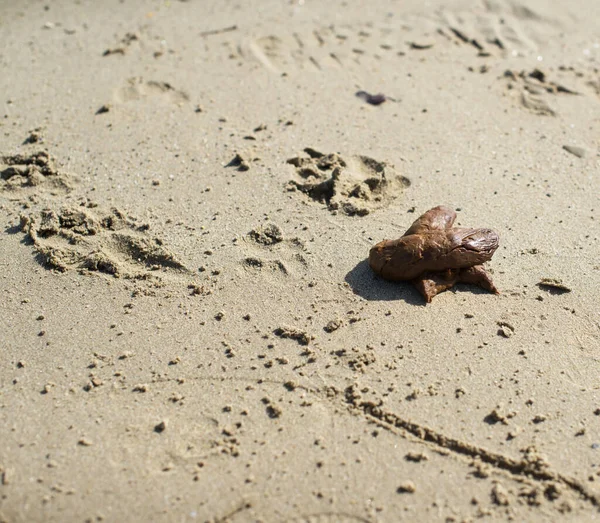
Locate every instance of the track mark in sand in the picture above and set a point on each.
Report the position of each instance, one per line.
(591, 82)
(531, 466)
(532, 472)
(535, 104)
(137, 88)
(213, 32)
(123, 45)
(330, 517)
(312, 49)
(267, 51)
(21, 173)
(533, 88)
(355, 185)
(269, 251)
(93, 241)
(226, 518)
(498, 25)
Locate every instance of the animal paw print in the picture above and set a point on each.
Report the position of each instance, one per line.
(26, 172)
(270, 252)
(354, 185)
(91, 241)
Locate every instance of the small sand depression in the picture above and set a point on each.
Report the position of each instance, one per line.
(353, 185)
(269, 250)
(137, 88)
(108, 242)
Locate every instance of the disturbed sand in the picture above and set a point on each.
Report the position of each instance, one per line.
(189, 327)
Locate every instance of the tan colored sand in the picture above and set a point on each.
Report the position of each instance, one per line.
(190, 331)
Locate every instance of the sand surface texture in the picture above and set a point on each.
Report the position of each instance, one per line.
(189, 328)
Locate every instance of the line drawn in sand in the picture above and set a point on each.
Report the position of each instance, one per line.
(531, 467)
(330, 517)
(536, 478)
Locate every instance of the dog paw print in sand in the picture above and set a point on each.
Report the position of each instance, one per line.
(25, 172)
(534, 90)
(92, 241)
(354, 185)
(268, 251)
(138, 89)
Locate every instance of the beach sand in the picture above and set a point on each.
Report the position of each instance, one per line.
(189, 328)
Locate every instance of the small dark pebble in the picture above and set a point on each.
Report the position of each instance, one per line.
(421, 45)
(239, 162)
(34, 137)
(373, 99)
(538, 75)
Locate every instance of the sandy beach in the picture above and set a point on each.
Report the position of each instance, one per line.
(189, 326)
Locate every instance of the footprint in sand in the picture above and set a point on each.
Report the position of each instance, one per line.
(138, 89)
(23, 173)
(268, 252)
(354, 185)
(106, 242)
